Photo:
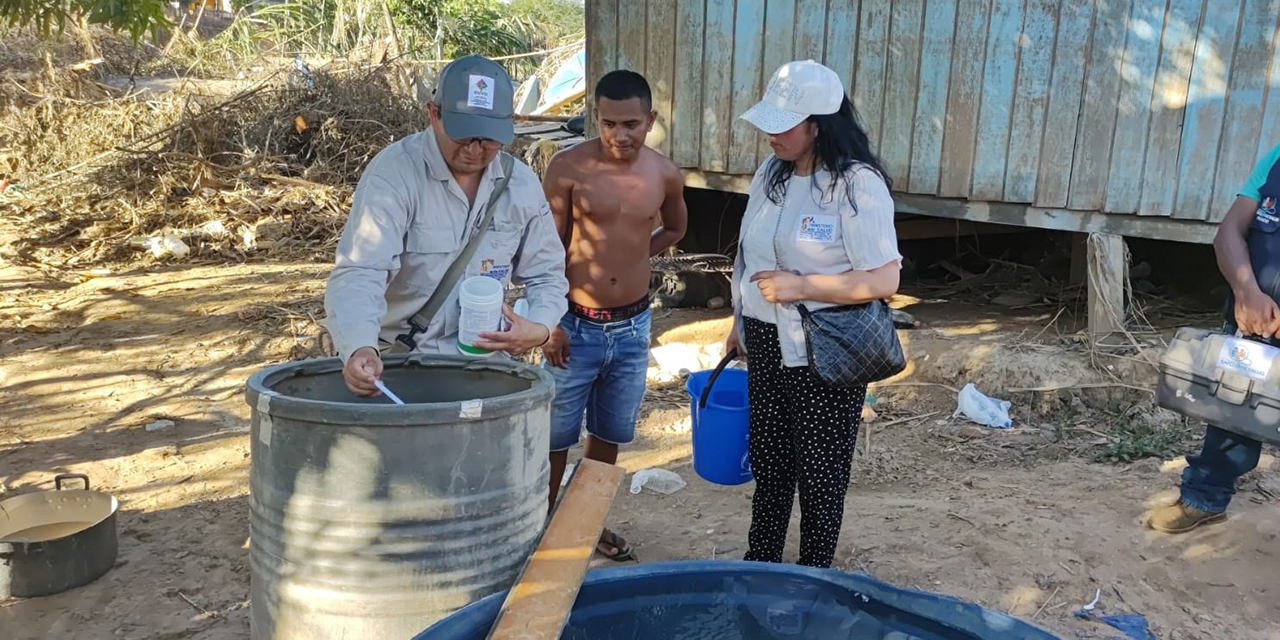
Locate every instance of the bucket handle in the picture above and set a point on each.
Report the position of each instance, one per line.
(58, 479)
(706, 392)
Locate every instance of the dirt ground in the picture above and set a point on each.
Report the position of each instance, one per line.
(1020, 520)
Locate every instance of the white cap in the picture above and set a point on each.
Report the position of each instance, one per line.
(796, 91)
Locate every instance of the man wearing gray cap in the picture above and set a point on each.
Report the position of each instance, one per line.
(418, 207)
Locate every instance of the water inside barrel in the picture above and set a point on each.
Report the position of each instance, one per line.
(413, 384)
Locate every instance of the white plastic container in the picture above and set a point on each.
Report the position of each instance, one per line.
(481, 298)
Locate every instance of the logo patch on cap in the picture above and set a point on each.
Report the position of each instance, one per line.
(784, 90)
(480, 92)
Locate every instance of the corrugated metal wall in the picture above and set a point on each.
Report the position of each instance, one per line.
(1144, 107)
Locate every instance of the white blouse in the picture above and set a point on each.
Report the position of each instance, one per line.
(814, 231)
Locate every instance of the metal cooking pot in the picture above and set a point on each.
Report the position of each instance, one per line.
(51, 541)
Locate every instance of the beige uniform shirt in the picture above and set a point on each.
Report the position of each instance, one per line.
(408, 222)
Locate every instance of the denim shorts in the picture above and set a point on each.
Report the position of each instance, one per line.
(604, 380)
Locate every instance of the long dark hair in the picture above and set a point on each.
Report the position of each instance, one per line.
(841, 143)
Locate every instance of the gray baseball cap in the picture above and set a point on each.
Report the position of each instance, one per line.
(476, 100)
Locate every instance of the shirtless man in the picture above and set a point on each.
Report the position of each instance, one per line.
(607, 195)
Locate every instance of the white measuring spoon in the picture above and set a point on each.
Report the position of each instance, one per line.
(383, 388)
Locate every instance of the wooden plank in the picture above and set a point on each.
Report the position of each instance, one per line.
(1023, 215)
(999, 78)
(780, 15)
(1092, 161)
(1107, 275)
(1133, 111)
(602, 37)
(901, 88)
(537, 607)
(870, 60)
(1271, 114)
(748, 58)
(1031, 98)
(601, 47)
(686, 115)
(632, 34)
(931, 101)
(1206, 106)
(1079, 274)
(660, 70)
(932, 228)
(1245, 103)
(963, 102)
(1012, 213)
(717, 95)
(1057, 152)
(1177, 50)
(842, 40)
(810, 33)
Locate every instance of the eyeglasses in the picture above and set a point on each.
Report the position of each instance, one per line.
(485, 143)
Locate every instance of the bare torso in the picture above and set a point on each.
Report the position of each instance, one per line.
(615, 209)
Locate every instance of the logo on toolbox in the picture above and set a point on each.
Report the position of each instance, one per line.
(1239, 354)
(1247, 358)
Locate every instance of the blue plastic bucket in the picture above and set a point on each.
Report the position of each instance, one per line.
(720, 426)
(751, 601)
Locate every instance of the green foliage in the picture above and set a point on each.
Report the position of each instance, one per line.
(469, 26)
(557, 21)
(1132, 441)
(135, 17)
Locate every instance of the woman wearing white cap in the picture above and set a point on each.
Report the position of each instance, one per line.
(818, 230)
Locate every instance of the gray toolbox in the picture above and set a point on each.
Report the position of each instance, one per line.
(1230, 382)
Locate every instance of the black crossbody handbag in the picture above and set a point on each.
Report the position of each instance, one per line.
(849, 345)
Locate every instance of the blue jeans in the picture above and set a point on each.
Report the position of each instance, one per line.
(1209, 481)
(605, 379)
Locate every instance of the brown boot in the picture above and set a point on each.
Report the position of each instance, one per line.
(1181, 518)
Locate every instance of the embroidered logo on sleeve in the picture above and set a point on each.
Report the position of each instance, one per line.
(480, 94)
(817, 228)
(1267, 211)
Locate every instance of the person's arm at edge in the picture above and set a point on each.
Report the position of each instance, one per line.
(368, 251)
(540, 268)
(674, 212)
(1255, 312)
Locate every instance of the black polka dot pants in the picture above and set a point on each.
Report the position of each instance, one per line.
(802, 432)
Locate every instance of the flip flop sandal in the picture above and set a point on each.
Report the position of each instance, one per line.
(622, 550)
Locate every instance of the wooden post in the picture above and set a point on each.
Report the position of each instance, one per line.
(1108, 269)
(1079, 258)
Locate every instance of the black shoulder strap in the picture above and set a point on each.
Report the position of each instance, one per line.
(419, 322)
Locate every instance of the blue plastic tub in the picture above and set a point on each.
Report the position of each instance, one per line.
(722, 600)
(720, 428)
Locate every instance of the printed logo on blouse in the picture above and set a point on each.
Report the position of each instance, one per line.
(1267, 210)
(817, 228)
(496, 271)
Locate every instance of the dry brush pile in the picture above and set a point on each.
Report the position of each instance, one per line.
(109, 176)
